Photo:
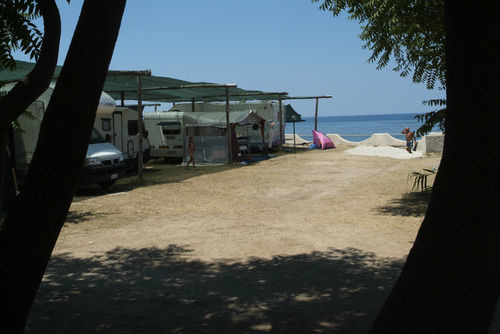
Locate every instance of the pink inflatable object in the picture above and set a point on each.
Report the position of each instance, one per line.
(322, 141)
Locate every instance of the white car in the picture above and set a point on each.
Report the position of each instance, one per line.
(104, 162)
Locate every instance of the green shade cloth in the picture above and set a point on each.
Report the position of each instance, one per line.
(121, 86)
(23, 68)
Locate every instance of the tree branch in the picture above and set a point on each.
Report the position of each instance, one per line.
(33, 223)
(38, 80)
(35, 83)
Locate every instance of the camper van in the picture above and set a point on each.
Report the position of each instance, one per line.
(167, 129)
(120, 127)
(104, 163)
(166, 132)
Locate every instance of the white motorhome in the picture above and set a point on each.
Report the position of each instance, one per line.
(167, 129)
(120, 127)
(166, 132)
(104, 163)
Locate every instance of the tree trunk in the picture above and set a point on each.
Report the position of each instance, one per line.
(451, 280)
(36, 82)
(35, 220)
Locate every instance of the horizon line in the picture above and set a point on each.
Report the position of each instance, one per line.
(377, 114)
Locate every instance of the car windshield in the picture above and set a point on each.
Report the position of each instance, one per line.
(96, 137)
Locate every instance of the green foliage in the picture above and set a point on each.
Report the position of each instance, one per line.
(412, 33)
(420, 179)
(17, 31)
(15, 124)
(27, 113)
(432, 118)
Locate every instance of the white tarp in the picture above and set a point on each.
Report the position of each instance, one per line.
(219, 118)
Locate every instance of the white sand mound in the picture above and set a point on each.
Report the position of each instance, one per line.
(384, 151)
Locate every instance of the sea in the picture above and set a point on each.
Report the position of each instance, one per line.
(358, 127)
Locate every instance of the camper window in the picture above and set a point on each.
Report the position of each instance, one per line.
(133, 128)
(96, 137)
(167, 131)
(106, 124)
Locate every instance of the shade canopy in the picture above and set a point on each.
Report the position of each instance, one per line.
(22, 69)
(122, 85)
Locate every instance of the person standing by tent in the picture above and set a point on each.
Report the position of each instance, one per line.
(410, 136)
(191, 150)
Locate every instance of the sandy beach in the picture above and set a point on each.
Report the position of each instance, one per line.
(300, 243)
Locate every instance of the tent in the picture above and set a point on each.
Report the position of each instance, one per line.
(266, 109)
(209, 132)
(321, 140)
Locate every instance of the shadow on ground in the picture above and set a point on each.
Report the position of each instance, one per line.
(75, 217)
(412, 204)
(153, 173)
(155, 290)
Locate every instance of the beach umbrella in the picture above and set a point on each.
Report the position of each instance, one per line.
(291, 116)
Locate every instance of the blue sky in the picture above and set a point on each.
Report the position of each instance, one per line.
(270, 45)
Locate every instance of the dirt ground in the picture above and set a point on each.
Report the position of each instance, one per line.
(307, 242)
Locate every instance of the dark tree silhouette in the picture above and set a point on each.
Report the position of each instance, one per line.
(36, 82)
(451, 280)
(33, 223)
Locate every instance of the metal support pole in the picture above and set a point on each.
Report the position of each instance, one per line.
(140, 127)
(122, 95)
(192, 104)
(228, 127)
(281, 128)
(316, 116)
